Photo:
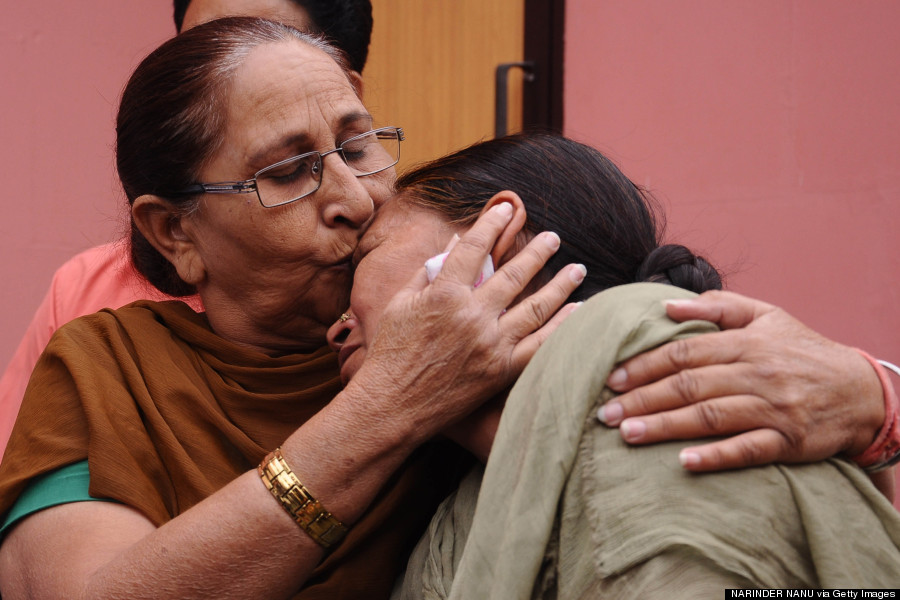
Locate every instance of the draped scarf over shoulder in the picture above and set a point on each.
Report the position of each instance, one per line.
(166, 412)
(566, 509)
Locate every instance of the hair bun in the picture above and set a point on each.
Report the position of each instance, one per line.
(674, 264)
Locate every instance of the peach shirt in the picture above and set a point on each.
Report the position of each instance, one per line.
(100, 277)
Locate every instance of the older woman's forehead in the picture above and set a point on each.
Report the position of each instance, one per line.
(291, 71)
(289, 90)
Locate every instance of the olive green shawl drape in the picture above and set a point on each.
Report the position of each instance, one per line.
(565, 509)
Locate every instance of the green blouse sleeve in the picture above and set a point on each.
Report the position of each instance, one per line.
(64, 485)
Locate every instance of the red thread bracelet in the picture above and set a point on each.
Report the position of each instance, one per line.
(885, 450)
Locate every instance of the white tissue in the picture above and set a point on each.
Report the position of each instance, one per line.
(434, 265)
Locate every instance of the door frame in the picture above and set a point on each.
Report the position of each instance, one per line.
(544, 29)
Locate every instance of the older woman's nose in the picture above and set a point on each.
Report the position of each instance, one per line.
(338, 332)
(343, 197)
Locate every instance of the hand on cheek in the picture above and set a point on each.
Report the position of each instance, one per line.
(445, 347)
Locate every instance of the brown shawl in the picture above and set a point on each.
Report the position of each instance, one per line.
(166, 413)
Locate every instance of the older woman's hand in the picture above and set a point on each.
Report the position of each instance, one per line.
(446, 347)
(790, 394)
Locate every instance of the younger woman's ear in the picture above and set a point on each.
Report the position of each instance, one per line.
(506, 243)
(162, 224)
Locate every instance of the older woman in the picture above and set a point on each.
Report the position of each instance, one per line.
(564, 509)
(104, 276)
(230, 460)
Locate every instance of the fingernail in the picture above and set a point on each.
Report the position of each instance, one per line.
(676, 302)
(617, 378)
(551, 239)
(633, 430)
(451, 244)
(689, 459)
(578, 273)
(504, 209)
(610, 414)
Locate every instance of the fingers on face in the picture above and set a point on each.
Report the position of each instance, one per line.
(463, 264)
(540, 307)
(527, 324)
(511, 279)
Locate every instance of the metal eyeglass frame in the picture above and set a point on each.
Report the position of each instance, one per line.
(249, 185)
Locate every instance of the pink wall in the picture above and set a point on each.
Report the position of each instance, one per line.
(771, 132)
(769, 129)
(63, 65)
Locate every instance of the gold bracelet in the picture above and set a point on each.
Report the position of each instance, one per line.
(308, 512)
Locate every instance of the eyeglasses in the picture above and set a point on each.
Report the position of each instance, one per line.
(297, 177)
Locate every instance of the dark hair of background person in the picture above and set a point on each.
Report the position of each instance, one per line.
(172, 115)
(346, 23)
(604, 220)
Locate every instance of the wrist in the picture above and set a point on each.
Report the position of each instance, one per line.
(884, 451)
(384, 411)
(865, 398)
(418, 402)
(324, 529)
(346, 452)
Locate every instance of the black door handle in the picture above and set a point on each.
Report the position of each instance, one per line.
(501, 93)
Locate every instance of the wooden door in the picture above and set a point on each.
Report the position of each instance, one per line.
(431, 70)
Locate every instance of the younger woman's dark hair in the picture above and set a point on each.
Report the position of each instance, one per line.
(604, 220)
(172, 119)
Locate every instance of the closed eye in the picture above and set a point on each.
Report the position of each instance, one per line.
(292, 170)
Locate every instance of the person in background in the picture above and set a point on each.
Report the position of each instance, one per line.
(103, 276)
(347, 24)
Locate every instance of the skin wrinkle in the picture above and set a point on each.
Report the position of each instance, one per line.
(397, 243)
(246, 248)
(322, 81)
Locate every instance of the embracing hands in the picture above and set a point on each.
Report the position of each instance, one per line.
(446, 347)
(789, 394)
